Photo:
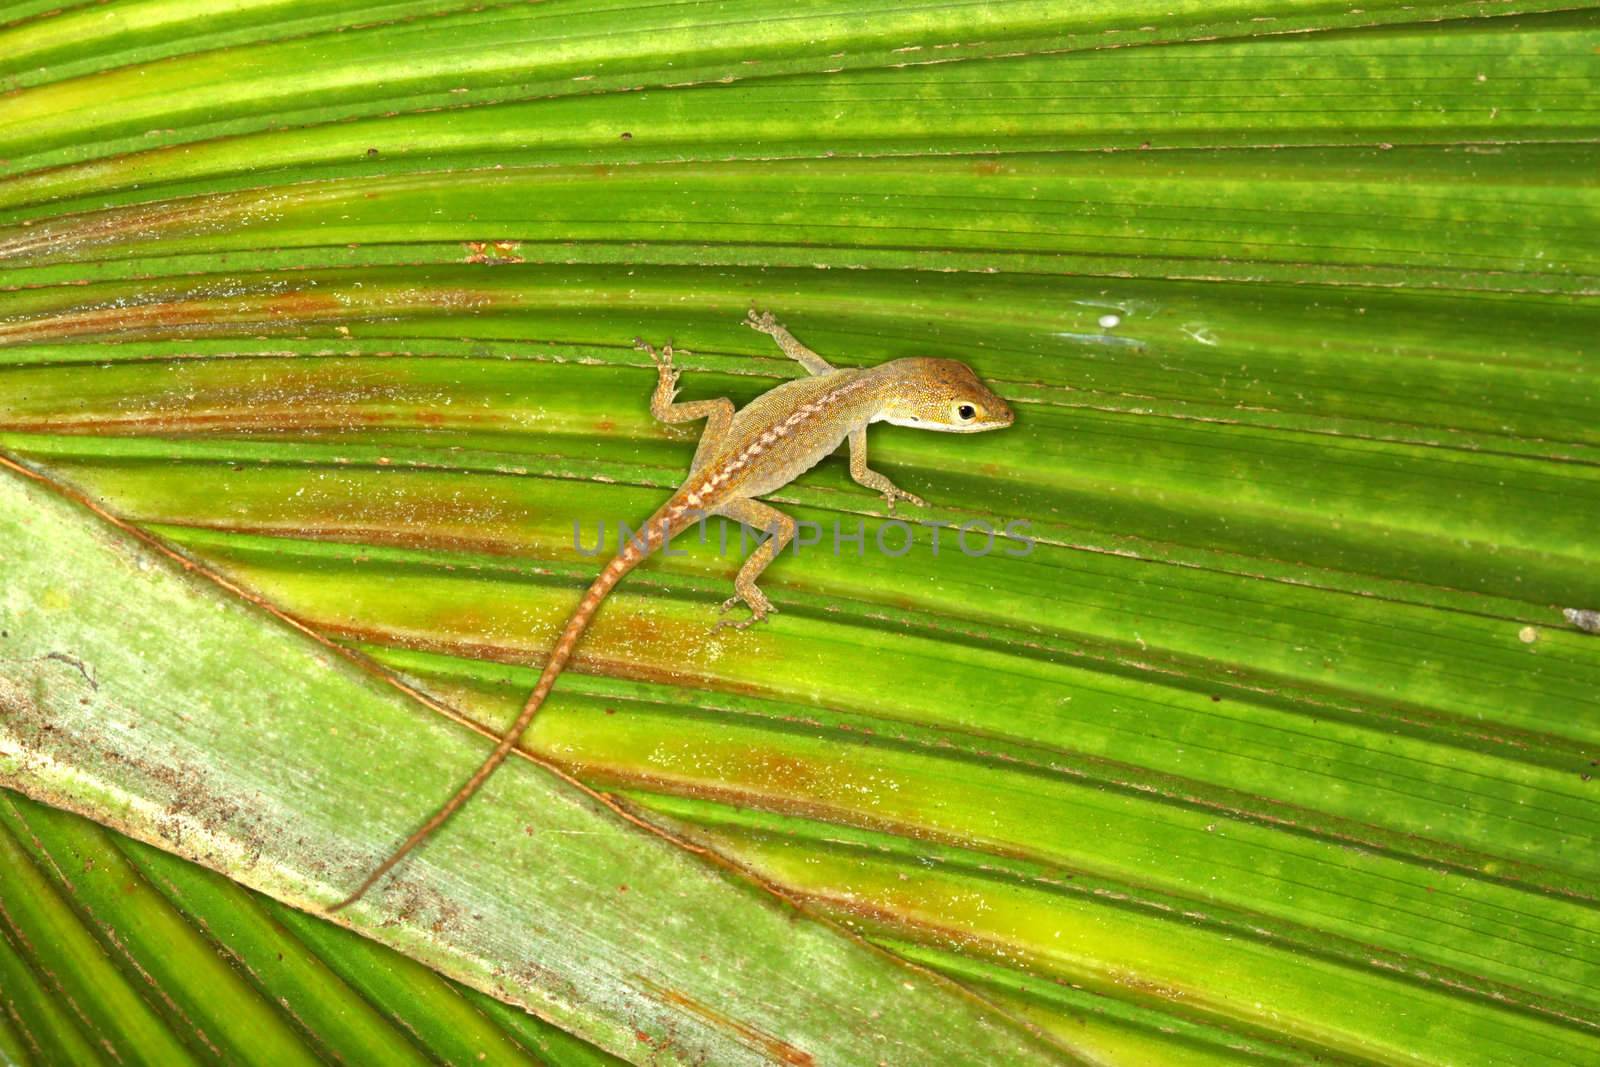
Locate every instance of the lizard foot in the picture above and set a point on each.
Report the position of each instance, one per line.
(662, 359)
(667, 392)
(894, 493)
(761, 321)
(760, 608)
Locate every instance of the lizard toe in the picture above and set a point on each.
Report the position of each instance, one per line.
(745, 623)
(733, 624)
(760, 608)
(897, 494)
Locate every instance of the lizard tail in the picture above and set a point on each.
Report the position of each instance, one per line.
(632, 554)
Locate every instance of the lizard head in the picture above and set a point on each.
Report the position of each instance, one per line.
(942, 394)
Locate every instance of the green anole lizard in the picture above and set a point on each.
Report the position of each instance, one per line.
(744, 454)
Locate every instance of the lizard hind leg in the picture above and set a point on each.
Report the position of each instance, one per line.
(780, 529)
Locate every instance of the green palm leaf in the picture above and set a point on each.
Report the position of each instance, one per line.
(1264, 740)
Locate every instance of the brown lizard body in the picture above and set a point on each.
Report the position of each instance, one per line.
(762, 447)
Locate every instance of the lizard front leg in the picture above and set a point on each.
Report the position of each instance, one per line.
(870, 478)
(763, 322)
(781, 529)
(718, 413)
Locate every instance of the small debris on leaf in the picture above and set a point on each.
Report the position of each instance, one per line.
(1587, 621)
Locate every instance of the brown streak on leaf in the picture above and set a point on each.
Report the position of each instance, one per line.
(275, 310)
(779, 1050)
(105, 227)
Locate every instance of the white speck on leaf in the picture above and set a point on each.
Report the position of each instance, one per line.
(1585, 620)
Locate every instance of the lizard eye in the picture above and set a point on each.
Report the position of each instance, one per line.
(967, 412)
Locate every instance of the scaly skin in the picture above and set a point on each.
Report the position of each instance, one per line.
(764, 446)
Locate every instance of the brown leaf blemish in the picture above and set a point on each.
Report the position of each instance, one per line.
(775, 1048)
(73, 661)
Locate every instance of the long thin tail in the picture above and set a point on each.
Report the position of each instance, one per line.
(632, 554)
